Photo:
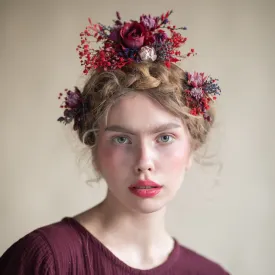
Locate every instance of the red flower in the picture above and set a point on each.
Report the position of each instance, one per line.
(132, 35)
(167, 64)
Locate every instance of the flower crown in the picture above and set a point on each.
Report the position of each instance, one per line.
(151, 39)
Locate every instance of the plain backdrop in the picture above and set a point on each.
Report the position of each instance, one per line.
(225, 211)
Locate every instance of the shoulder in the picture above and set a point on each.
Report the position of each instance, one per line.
(29, 255)
(60, 235)
(45, 250)
(198, 262)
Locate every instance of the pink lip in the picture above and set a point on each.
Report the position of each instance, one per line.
(145, 193)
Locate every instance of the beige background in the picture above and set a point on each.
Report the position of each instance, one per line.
(231, 221)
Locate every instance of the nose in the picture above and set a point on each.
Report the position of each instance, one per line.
(144, 160)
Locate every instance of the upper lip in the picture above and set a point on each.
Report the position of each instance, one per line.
(145, 183)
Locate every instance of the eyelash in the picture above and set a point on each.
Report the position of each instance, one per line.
(114, 139)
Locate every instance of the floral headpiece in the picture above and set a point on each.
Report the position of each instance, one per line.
(201, 90)
(75, 107)
(151, 39)
(133, 41)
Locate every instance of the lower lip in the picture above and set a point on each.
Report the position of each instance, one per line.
(146, 193)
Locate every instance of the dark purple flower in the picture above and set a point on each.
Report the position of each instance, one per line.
(73, 99)
(161, 36)
(75, 107)
(115, 34)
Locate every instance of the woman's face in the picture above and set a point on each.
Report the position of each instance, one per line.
(142, 141)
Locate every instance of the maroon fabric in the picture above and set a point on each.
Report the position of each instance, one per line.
(68, 248)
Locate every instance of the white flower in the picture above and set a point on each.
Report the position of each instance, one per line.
(147, 54)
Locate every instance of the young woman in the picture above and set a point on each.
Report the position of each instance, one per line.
(142, 118)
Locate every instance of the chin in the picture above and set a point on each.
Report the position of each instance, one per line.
(146, 206)
(140, 205)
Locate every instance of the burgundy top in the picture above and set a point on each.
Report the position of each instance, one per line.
(66, 247)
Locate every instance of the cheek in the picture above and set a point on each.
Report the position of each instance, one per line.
(111, 158)
(177, 157)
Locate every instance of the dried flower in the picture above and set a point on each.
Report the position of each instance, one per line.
(148, 21)
(73, 99)
(161, 36)
(75, 108)
(197, 93)
(121, 42)
(201, 91)
(147, 54)
(132, 35)
(196, 79)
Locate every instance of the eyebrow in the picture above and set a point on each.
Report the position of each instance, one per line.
(154, 130)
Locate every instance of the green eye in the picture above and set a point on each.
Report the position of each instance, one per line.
(120, 140)
(166, 139)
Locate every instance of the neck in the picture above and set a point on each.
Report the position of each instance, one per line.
(131, 225)
(113, 222)
(140, 239)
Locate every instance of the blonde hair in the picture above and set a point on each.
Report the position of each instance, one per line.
(162, 84)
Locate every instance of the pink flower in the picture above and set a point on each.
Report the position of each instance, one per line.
(196, 79)
(197, 93)
(148, 21)
(132, 35)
